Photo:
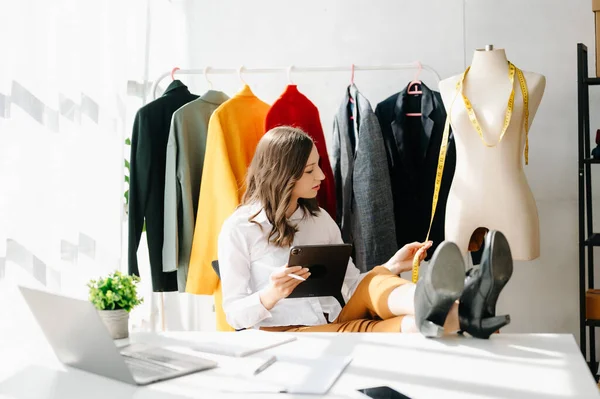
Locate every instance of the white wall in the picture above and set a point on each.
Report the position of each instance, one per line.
(539, 35)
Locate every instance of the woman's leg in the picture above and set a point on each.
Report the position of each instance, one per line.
(371, 297)
(382, 302)
(382, 294)
(395, 324)
(361, 325)
(368, 309)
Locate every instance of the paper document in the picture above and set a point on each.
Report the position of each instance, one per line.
(242, 343)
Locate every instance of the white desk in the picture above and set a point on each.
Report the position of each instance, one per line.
(507, 365)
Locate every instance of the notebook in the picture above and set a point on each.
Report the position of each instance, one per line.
(289, 374)
(305, 376)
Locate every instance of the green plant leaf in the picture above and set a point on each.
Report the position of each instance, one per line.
(115, 291)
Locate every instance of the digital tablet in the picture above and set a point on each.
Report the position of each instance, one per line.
(327, 265)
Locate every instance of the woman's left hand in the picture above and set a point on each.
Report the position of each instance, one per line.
(403, 259)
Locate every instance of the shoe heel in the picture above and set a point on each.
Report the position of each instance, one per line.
(430, 329)
(439, 289)
(492, 324)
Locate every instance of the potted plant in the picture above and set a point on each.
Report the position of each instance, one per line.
(114, 296)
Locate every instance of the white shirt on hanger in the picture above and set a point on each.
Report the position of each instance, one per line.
(247, 259)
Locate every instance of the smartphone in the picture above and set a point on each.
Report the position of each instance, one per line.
(382, 392)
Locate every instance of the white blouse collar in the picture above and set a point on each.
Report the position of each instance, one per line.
(262, 215)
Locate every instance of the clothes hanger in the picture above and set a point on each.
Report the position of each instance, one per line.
(239, 71)
(289, 75)
(416, 80)
(351, 79)
(210, 85)
(173, 72)
(413, 90)
(351, 84)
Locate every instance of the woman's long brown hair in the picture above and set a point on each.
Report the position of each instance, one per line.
(278, 163)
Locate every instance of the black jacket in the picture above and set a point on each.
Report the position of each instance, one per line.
(412, 148)
(147, 180)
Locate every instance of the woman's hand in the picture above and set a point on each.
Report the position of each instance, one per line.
(403, 259)
(281, 285)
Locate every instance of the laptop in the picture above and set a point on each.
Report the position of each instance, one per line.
(80, 339)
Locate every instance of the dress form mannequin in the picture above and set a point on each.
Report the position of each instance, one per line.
(489, 188)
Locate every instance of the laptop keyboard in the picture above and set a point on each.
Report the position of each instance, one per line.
(144, 369)
(150, 363)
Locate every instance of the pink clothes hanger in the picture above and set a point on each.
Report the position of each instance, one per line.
(173, 72)
(416, 80)
(412, 89)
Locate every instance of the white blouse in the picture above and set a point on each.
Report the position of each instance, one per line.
(246, 260)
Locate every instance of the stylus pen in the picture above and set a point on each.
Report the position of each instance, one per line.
(292, 275)
(266, 364)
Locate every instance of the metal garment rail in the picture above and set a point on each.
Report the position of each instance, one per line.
(349, 68)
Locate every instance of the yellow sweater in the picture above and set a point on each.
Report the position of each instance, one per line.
(234, 130)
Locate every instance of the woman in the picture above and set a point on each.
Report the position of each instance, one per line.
(279, 210)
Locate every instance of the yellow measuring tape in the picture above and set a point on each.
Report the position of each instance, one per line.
(509, 109)
(512, 70)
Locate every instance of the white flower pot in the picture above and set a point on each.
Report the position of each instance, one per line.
(117, 322)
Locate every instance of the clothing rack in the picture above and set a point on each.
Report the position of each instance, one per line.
(348, 68)
(268, 70)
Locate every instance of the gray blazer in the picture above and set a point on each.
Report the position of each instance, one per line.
(365, 207)
(185, 159)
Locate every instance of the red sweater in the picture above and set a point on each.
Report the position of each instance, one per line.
(294, 109)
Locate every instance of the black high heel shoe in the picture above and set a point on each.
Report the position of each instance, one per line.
(477, 309)
(438, 289)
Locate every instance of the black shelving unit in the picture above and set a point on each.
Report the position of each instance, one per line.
(587, 238)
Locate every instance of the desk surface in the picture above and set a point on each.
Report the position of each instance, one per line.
(507, 365)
